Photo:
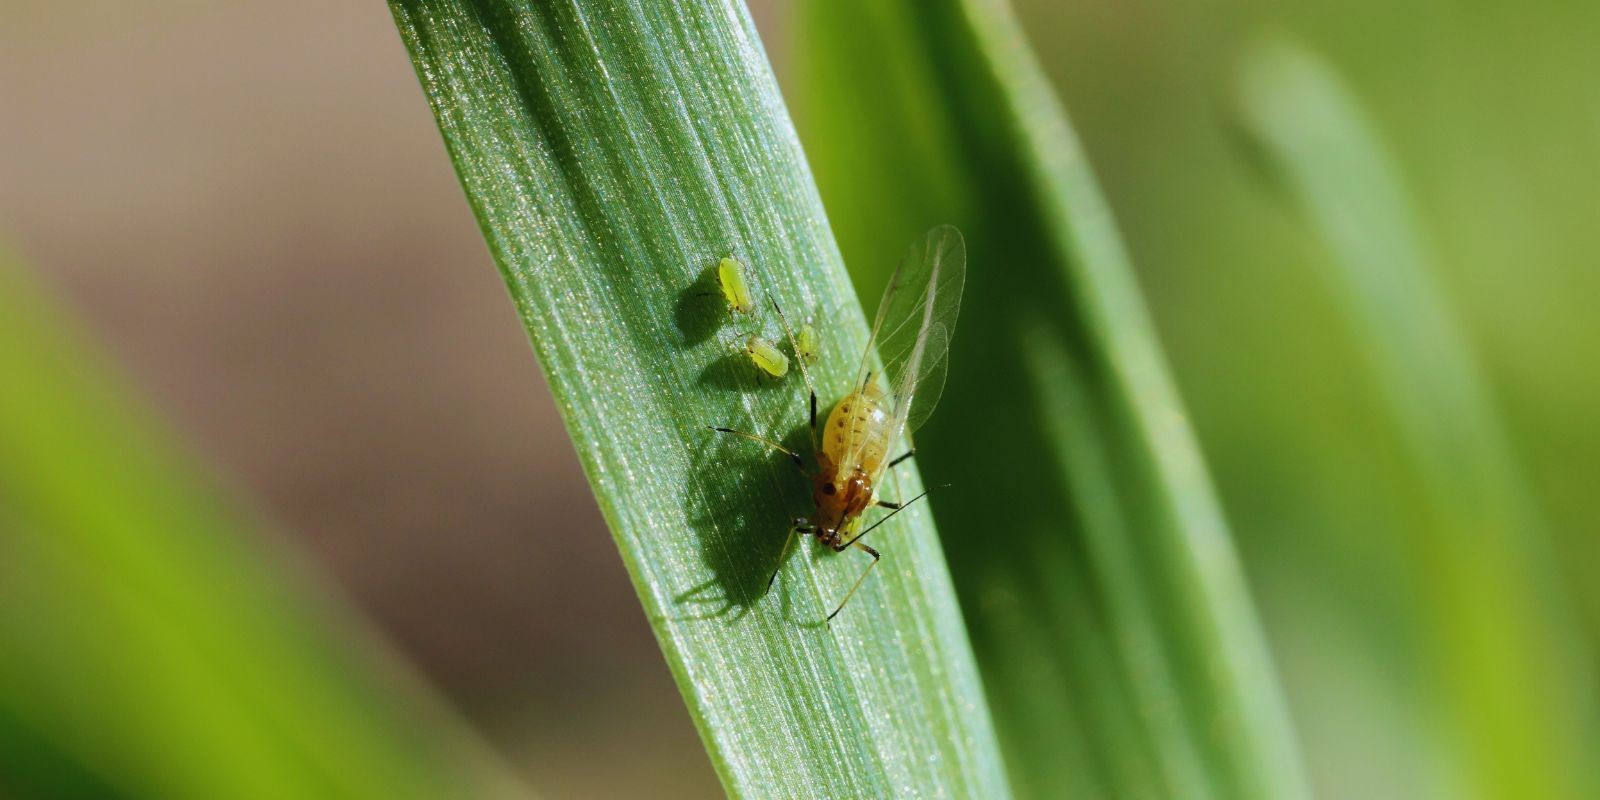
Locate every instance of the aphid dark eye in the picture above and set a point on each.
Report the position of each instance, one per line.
(828, 488)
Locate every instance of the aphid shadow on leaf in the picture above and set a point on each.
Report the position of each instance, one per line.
(741, 511)
(735, 372)
(911, 334)
(700, 309)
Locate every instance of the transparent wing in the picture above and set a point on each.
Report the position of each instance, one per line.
(920, 318)
(916, 318)
(923, 396)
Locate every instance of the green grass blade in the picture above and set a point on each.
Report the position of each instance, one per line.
(613, 152)
(1515, 687)
(1111, 621)
(148, 646)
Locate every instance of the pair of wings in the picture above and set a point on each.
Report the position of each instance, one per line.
(911, 333)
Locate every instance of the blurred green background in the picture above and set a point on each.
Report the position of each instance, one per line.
(249, 207)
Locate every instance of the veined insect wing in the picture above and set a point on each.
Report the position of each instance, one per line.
(921, 318)
(923, 395)
(916, 318)
(911, 334)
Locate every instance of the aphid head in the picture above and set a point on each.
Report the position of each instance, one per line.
(839, 498)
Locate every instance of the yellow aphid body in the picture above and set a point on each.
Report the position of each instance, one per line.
(735, 288)
(805, 344)
(767, 356)
(855, 448)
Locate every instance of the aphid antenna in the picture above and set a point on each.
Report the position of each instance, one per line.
(897, 509)
(799, 463)
(735, 343)
(794, 345)
(737, 338)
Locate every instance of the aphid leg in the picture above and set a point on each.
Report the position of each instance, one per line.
(798, 462)
(894, 476)
(903, 456)
(876, 557)
(813, 419)
(806, 373)
(800, 526)
(898, 507)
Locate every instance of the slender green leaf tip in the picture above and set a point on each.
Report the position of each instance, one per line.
(614, 151)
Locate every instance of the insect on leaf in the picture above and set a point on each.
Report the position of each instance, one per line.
(610, 151)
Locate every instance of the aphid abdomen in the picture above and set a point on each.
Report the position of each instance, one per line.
(857, 434)
(805, 344)
(766, 356)
(735, 288)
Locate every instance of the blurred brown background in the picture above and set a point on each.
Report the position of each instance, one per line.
(251, 207)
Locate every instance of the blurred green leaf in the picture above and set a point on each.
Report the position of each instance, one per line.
(613, 152)
(147, 648)
(1513, 684)
(1121, 652)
